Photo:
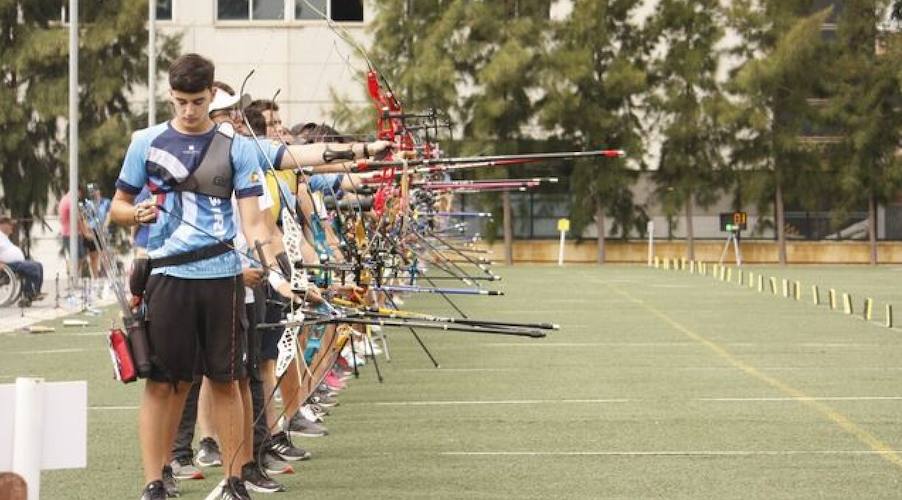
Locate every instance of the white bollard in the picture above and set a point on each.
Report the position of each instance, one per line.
(28, 434)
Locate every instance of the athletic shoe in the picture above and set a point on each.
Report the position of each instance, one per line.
(208, 454)
(298, 426)
(318, 409)
(230, 489)
(324, 389)
(307, 412)
(184, 468)
(271, 464)
(281, 445)
(257, 480)
(154, 491)
(333, 382)
(169, 483)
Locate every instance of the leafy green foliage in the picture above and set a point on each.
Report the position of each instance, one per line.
(34, 95)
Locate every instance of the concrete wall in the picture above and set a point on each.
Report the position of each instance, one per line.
(304, 59)
(798, 252)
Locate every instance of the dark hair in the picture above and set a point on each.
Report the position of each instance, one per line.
(263, 105)
(300, 128)
(322, 133)
(191, 73)
(224, 87)
(256, 120)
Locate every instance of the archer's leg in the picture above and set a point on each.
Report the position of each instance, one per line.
(229, 423)
(158, 405)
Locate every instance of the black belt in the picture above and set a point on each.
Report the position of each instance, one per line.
(192, 256)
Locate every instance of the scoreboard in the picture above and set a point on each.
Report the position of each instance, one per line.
(734, 221)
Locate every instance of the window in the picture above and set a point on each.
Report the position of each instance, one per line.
(304, 10)
(337, 10)
(250, 10)
(164, 10)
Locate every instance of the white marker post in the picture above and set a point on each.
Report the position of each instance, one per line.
(650, 229)
(43, 426)
(563, 225)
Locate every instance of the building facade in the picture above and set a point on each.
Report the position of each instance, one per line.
(287, 44)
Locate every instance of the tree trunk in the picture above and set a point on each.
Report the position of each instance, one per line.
(690, 231)
(779, 220)
(508, 229)
(599, 226)
(872, 226)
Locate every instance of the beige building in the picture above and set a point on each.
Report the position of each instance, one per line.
(285, 42)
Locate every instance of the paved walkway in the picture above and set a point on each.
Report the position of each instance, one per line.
(60, 300)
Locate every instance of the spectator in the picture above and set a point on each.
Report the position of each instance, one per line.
(32, 272)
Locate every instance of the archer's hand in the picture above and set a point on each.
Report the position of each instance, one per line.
(251, 276)
(145, 212)
(376, 147)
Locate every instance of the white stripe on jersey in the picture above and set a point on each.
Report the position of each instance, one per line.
(169, 163)
(189, 215)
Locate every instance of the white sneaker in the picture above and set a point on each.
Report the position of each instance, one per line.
(310, 415)
(367, 348)
(216, 491)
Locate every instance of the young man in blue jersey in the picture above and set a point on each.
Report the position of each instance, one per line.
(194, 294)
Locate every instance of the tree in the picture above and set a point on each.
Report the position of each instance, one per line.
(784, 61)
(689, 101)
(865, 104)
(593, 78)
(34, 95)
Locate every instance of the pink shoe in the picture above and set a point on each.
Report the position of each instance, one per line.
(334, 382)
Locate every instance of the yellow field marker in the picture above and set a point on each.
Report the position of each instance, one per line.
(798, 290)
(691, 267)
(868, 309)
(726, 273)
(773, 285)
(885, 451)
(888, 319)
(739, 277)
(760, 283)
(785, 283)
(815, 296)
(657, 262)
(683, 264)
(832, 299)
(847, 303)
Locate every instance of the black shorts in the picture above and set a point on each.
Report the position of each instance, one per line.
(255, 314)
(90, 244)
(196, 327)
(269, 347)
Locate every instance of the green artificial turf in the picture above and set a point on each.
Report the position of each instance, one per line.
(660, 384)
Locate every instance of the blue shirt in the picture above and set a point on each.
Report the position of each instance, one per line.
(143, 230)
(161, 157)
(325, 183)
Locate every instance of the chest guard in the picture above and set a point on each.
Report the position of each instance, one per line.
(213, 177)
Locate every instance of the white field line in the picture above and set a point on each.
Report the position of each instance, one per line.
(52, 351)
(668, 453)
(804, 398)
(112, 408)
(684, 344)
(459, 370)
(623, 400)
(496, 402)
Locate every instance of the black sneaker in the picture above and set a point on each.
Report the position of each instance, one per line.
(255, 479)
(208, 454)
(283, 448)
(170, 483)
(233, 489)
(154, 491)
(274, 465)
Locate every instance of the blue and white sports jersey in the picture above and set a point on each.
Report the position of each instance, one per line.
(162, 157)
(269, 153)
(325, 183)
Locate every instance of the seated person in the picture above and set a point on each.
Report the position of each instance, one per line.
(32, 272)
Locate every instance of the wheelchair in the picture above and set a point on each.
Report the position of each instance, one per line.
(10, 285)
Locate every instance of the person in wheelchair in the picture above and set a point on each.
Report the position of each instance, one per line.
(31, 272)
